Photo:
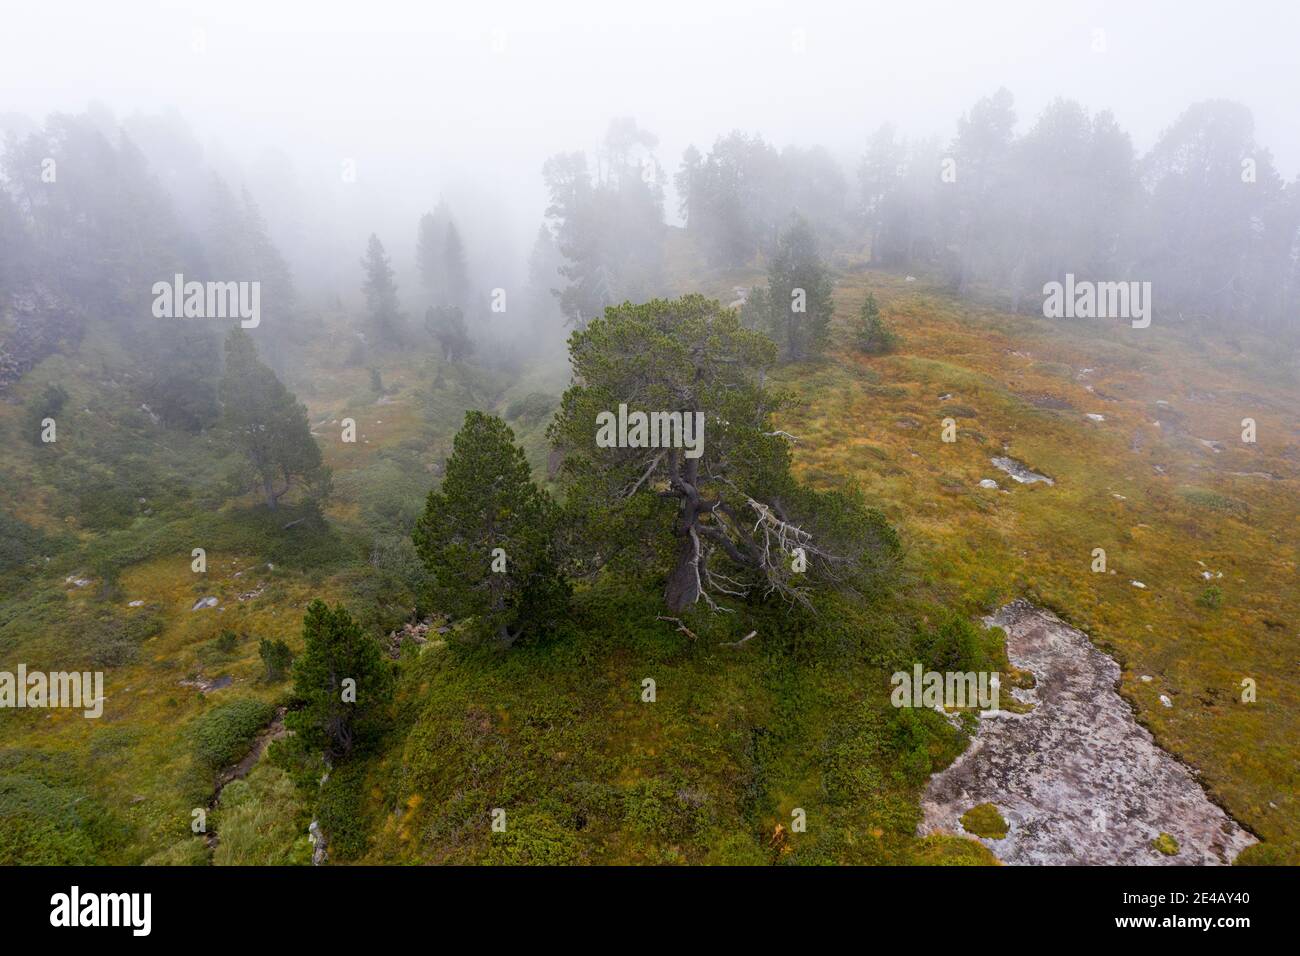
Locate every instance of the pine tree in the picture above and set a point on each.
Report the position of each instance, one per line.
(381, 293)
(870, 333)
(728, 505)
(276, 657)
(336, 715)
(800, 289)
(486, 536)
(428, 251)
(455, 272)
(446, 323)
(268, 424)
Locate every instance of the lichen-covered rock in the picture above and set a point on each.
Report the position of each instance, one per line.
(1077, 779)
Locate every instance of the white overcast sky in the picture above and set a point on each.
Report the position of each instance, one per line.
(426, 94)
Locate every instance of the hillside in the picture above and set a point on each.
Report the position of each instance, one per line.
(737, 738)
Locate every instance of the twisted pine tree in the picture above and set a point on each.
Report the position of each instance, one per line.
(727, 525)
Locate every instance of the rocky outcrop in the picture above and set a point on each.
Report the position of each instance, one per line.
(1077, 779)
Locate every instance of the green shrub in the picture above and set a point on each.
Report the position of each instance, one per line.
(260, 822)
(955, 645)
(192, 851)
(20, 543)
(656, 809)
(340, 810)
(532, 408)
(985, 820)
(1166, 844)
(1268, 854)
(46, 403)
(870, 333)
(532, 838)
(277, 659)
(1212, 500)
(225, 732)
(1211, 597)
(46, 819)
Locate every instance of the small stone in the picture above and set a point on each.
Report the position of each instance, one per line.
(204, 602)
(1166, 701)
(988, 483)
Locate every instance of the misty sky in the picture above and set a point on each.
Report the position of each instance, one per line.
(448, 97)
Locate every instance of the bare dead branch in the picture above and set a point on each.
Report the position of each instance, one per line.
(680, 626)
(741, 642)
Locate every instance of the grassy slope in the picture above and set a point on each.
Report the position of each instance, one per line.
(134, 766)
(878, 421)
(737, 738)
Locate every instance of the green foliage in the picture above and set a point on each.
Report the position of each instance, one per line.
(106, 508)
(870, 333)
(337, 649)
(224, 733)
(1211, 598)
(659, 810)
(47, 818)
(531, 409)
(1269, 854)
(1165, 844)
(20, 543)
(261, 822)
(381, 294)
(487, 538)
(181, 383)
(756, 310)
(446, 323)
(728, 521)
(192, 851)
(532, 838)
(269, 425)
(47, 403)
(955, 645)
(226, 641)
(276, 658)
(340, 808)
(1214, 501)
(985, 820)
(799, 287)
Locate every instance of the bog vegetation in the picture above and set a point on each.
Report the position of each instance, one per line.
(397, 526)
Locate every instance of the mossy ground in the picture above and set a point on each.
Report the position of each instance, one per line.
(739, 739)
(1166, 844)
(984, 820)
(1165, 507)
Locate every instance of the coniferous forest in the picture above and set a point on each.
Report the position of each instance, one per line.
(708, 435)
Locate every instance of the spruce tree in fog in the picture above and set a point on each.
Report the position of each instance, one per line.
(381, 294)
(799, 287)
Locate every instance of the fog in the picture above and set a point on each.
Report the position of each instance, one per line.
(396, 397)
(466, 101)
